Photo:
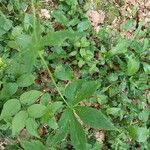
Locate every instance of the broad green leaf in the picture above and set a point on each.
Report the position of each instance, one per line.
(32, 127)
(27, 21)
(80, 90)
(57, 38)
(8, 90)
(25, 80)
(28, 58)
(112, 77)
(10, 108)
(133, 66)
(5, 24)
(72, 88)
(1, 61)
(51, 110)
(12, 44)
(24, 41)
(55, 106)
(97, 146)
(61, 132)
(86, 90)
(145, 45)
(30, 97)
(129, 25)
(24, 62)
(71, 2)
(140, 134)
(60, 17)
(16, 31)
(63, 73)
(52, 123)
(77, 134)
(33, 145)
(45, 98)
(94, 118)
(36, 110)
(120, 48)
(84, 25)
(144, 115)
(146, 67)
(74, 21)
(18, 122)
(113, 110)
(102, 99)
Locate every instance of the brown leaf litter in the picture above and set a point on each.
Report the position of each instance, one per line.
(96, 18)
(44, 13)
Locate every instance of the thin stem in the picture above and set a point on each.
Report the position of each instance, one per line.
(53, 80)
(34, 20)
(42, 58)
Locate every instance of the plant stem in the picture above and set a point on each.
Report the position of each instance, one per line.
(42, 58)
(53, 80)
(34, 20)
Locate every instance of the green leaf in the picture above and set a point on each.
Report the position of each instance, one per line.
(63, 73)
(94, 118)
(52, 123)
(84, 25)
(12, 44)
(146, 67)
(32, 127)
(60, 17)
(112, 77)
(55, 106)
(133, 66)
(140, 134)
(78, 138)
(28, 59)
(24, 41)
(45, 98)
(86, 91)
(10, 108)
(27, 21)
(33, 145)
(129, 25)
(18, 122)
(121, 47)
(8, 90)
(72, 88)
(113, 110)
(36, 110)
(30, 97)
(71, 2)
(62, 130)
(57, 38)
(5, 24)
(16, 31)
(25, 80)
(144, 115)
(145, 45)
(80, 90)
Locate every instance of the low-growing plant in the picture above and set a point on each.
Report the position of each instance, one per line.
(53, 71)
(31, 110)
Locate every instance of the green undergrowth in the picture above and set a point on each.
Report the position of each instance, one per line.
(60, 80)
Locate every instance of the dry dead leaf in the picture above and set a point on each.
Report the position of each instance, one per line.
(100, 136)
(147, 4)
(96, 18)
(44, 13)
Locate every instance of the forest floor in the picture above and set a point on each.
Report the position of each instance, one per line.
(98, 53)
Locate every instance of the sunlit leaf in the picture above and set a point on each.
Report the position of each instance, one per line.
(94, 118)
